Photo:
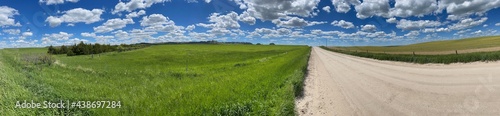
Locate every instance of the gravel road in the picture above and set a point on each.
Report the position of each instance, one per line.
(344, 85)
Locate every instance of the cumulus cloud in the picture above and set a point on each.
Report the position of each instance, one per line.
(343, 6)
(12, 31)
(275, 9)
(327, 9)
(159, 23)
(391, 20)
(99, 38)
(369, 28)
(190, 27)
(477, 32)
(406, 8)
(419, 24)
(53, 2)
(55, 38)
(246, 18)
(136, 14)
(343, 24)
(7, 16)
(135, 4)
(412, 34)
(27, 34)
(295, 22)
(467, 23)
(371, 8)
(218, 21)
(113, 24)
(432, 30)
(86, 34)
(467, 7)
(498, 24)
(270, 33)
(75, 16)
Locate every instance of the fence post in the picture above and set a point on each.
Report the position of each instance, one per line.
(414, 53)
(456, 52)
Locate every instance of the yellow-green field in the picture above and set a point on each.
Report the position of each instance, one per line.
(160, 80)
(479, 44)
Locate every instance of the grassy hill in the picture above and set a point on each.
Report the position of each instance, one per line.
(160, 80)
(437, 47)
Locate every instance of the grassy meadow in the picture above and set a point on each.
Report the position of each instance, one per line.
(431, 48)
(160, 80)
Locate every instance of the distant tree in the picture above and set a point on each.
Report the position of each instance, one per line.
(52, 50)
(70, 53)
(258, 44)
(63, 50)
(271, 44)
(120, 48)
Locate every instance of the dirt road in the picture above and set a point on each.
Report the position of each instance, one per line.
(345, 85)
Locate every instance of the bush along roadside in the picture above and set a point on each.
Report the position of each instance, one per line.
(423, 59)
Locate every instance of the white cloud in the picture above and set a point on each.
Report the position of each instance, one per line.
(26, 34)
(343, 6)
(369, 28)
(498, 24)
(412, 34)
(229, 21)
(76, 41)
(159, 23)
(461, 32)
(391, 20)
(113, 24)
(136, 14)
(467, 23)
(55, 38)
(371, 8)
(245, 17)
(135, 4)
(327, 9)
(295, 22)
(154, 19)
(462, 8)
(12, 31)
(477, 32)
(86, 34)
(75, 16)
(406, 8)
(432, 30)
(53, 2)
(419, 24)
(270, 33)
(190, 27)
(99, 38)
(343, 24)
(275, 9)
(7, 16)
(122, 35)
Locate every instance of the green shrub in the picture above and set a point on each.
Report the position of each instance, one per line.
(38, 59)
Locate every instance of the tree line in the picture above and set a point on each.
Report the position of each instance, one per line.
(82, 49)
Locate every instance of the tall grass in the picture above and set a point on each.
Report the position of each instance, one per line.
(165, 80)
(422, 59)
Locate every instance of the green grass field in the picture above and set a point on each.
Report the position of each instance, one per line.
(161, 80)
(436, 46)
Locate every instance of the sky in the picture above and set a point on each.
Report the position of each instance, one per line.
(32, 23)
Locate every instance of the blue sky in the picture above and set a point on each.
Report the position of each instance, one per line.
(311, 22)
